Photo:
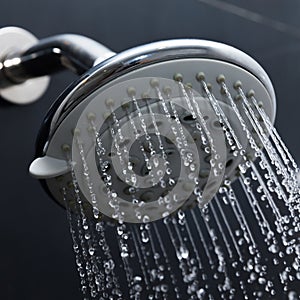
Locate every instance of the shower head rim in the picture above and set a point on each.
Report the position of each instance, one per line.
(141, 56)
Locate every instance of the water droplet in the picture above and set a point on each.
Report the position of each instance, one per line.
(184, 252)
(164, 288)
(274, 248)
(261, 280)
(145, 237)
(124, 254)
(292, 295)
(247, 180)
(207, 149)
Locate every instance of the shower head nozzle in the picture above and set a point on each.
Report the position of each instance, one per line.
(153, 129)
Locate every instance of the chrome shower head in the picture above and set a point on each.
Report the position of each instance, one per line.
(150, 130)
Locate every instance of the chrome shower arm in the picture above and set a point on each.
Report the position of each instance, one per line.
(67, 51)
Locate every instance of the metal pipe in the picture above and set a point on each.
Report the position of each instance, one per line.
(50, 55)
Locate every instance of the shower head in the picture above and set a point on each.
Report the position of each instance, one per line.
(150, 130)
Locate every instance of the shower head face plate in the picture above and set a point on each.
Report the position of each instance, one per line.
(126, 95)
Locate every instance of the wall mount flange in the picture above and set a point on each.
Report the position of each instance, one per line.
(14, 39)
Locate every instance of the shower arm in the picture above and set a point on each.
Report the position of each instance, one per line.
(50, 55)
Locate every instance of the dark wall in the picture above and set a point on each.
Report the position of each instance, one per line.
(36, 258)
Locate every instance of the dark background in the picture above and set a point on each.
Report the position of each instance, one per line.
(36, 257)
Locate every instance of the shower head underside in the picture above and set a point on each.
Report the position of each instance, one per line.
(152, 129)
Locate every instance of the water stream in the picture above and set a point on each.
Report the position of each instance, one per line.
(243, 244)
